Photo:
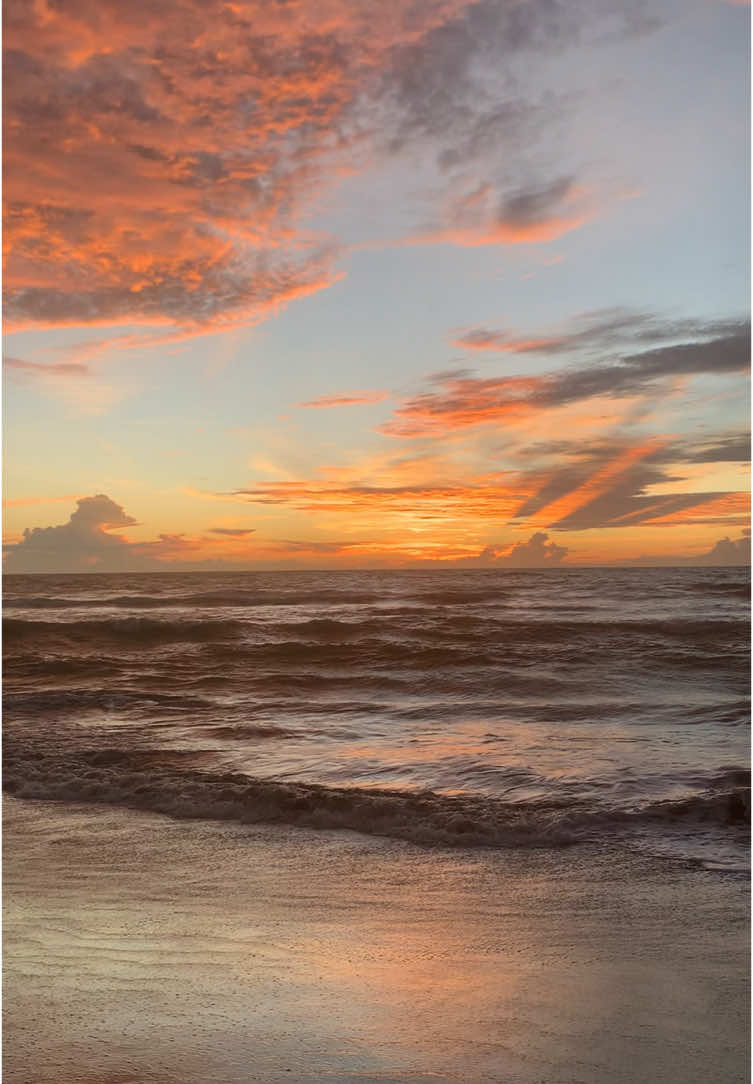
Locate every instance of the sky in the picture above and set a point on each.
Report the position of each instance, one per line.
(351, 284)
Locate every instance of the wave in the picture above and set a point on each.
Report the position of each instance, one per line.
(726, 590)
(428, 643)
(125, 632)
(78, 700)
(151, 781)
(210, 599)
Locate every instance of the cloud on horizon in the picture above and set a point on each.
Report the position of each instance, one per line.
(726, 553)
(88, 542)
(537, 552)
(81, 544)
(729, 553)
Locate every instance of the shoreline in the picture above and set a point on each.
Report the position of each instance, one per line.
(140, 948)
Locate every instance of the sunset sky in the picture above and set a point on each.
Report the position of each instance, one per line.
(357, 283)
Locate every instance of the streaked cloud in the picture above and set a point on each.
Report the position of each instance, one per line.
(462, 401)
(607, 331)
(44, 370)
(233, 532)
(356, 398)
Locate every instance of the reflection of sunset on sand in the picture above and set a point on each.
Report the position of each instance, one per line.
(185, 953)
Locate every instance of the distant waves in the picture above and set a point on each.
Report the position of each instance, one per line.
(475, 708)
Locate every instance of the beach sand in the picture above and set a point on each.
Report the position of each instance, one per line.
(144, 949)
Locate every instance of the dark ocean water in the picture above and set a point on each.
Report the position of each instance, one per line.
(472, 708)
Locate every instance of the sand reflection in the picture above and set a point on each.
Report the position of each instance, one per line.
(143, 949)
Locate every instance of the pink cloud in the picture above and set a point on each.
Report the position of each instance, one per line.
(357, 398)
(158, 160)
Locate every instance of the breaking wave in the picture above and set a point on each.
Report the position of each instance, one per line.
(154, 781)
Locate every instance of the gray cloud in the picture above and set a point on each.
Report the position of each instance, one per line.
(722, 447)
(233, 532)
(727, 552)
(464, 401)
(729, 449)
(606, 331)
(625, 501)
(528, 207)
(537, 552)
(88, 543)
(637, 372)
(82, 544)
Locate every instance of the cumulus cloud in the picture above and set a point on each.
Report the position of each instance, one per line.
(82, 544)
(537, 552)
(729, 553)
(89, 542)
(725, 553)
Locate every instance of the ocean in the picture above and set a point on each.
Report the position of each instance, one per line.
(479, 708)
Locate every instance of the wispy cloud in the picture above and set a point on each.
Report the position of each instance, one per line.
(233, 532)
(463, 401)
(42, 370)
(605, 332)
(356, 398)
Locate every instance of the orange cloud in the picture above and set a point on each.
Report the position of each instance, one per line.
(501, 342)
(160, 159)
(419, 502)
(599, 483)
(357, 398)
(500, 234)
(463, 402)
(155, 167)
(532, 214)
(730, 508)
(460, 400)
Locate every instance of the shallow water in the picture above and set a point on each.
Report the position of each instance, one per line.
(141, 948)
(537, 706)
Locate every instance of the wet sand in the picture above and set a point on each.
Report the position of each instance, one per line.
(142, 949)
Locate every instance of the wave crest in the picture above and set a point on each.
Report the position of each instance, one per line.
(150, 781)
